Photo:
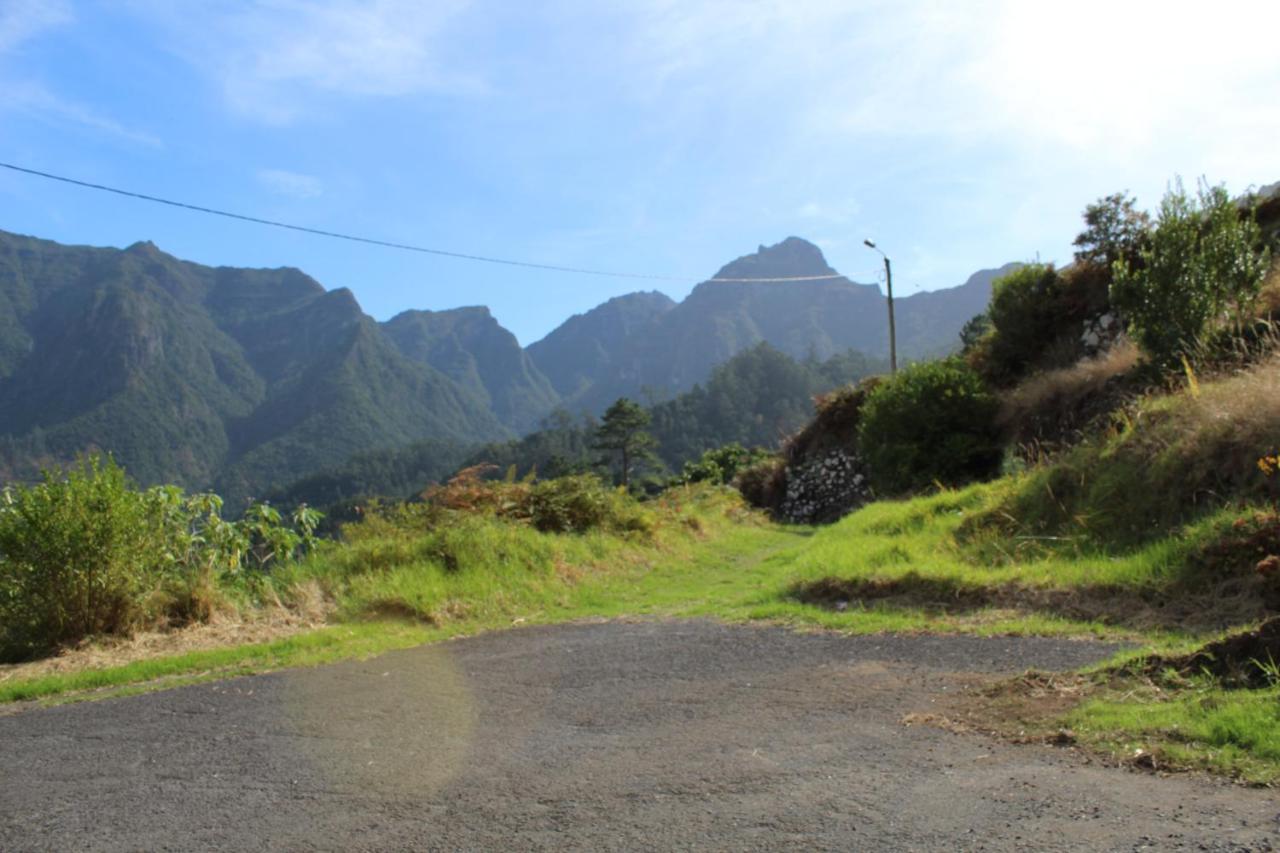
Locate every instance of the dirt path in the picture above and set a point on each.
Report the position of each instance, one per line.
(603, 736)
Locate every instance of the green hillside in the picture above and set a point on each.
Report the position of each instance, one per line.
(468, 346)
(239, 379)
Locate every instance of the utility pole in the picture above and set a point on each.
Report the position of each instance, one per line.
(893, 337)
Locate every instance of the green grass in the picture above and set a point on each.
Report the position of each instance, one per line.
(1200, 726)
(324, 645)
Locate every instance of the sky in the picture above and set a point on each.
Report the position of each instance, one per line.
(660, 137)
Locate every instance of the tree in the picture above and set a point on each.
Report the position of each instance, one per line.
(1114, 229)
(974, 330)
(1203, 263)
(1025, 315)
(622, 431)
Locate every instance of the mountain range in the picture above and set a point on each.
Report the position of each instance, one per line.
(243, 379)
(647, 341)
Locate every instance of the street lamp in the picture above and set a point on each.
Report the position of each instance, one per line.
(893, 337)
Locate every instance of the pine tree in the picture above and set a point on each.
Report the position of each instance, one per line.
(622, 431)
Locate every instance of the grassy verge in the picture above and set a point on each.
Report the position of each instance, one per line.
(323, 645)
(918, 565)
(395, 584)
(1196, 725)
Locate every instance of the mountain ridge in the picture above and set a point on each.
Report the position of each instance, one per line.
(672, 349)
(247, 379)
(204, 376)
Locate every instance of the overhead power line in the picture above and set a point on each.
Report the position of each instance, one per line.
(393, 245)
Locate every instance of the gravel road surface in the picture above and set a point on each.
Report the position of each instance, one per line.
(655, 735)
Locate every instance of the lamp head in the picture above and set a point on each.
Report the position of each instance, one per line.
(869, 244)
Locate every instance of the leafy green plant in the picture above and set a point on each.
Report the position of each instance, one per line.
(78, 554)
(932, 422)
(973, 331)
(721, 465)
(1204, 263)
(84, 553)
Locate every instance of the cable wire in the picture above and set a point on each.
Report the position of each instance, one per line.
(393, 245)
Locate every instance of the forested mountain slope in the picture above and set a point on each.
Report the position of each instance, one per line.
(471, 348)
(237, 379)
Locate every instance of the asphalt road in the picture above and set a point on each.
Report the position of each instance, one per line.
(601, 736)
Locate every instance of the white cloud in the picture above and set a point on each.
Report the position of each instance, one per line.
(290, 183)
(21, 20)
(36, 100)
(272, 58)
(1113, 81)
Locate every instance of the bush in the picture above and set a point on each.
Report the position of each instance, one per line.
(581, 503)
(78, 556)
(721, 465)
(1036, 320)
(1023, 316)
(572, 504)
(1204, 262)
(933, 422)
(764, 484)
(83, 553)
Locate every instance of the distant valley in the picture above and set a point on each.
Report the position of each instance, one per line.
(245, 380)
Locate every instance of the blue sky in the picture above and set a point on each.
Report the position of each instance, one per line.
(653, 136)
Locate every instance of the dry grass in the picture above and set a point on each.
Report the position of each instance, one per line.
(1054, 406)
(1269, 297)
(225, 629)
(1231, 421)
(1170, 459)
(1232, 601)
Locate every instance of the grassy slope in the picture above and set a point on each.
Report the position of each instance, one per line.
(396, 586)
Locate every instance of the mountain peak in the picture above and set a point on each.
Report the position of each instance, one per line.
(792, 257)
(144, 248)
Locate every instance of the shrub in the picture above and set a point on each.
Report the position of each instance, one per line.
(572, 504)
(468, 491)
(78, 554)
(1023, 316)
(764, 484)
(932, 422)
(1036, 320)
(834, 425)
(84, 553)
(973, 331)
(721, 465)
(581, 503)
(1203, 262)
